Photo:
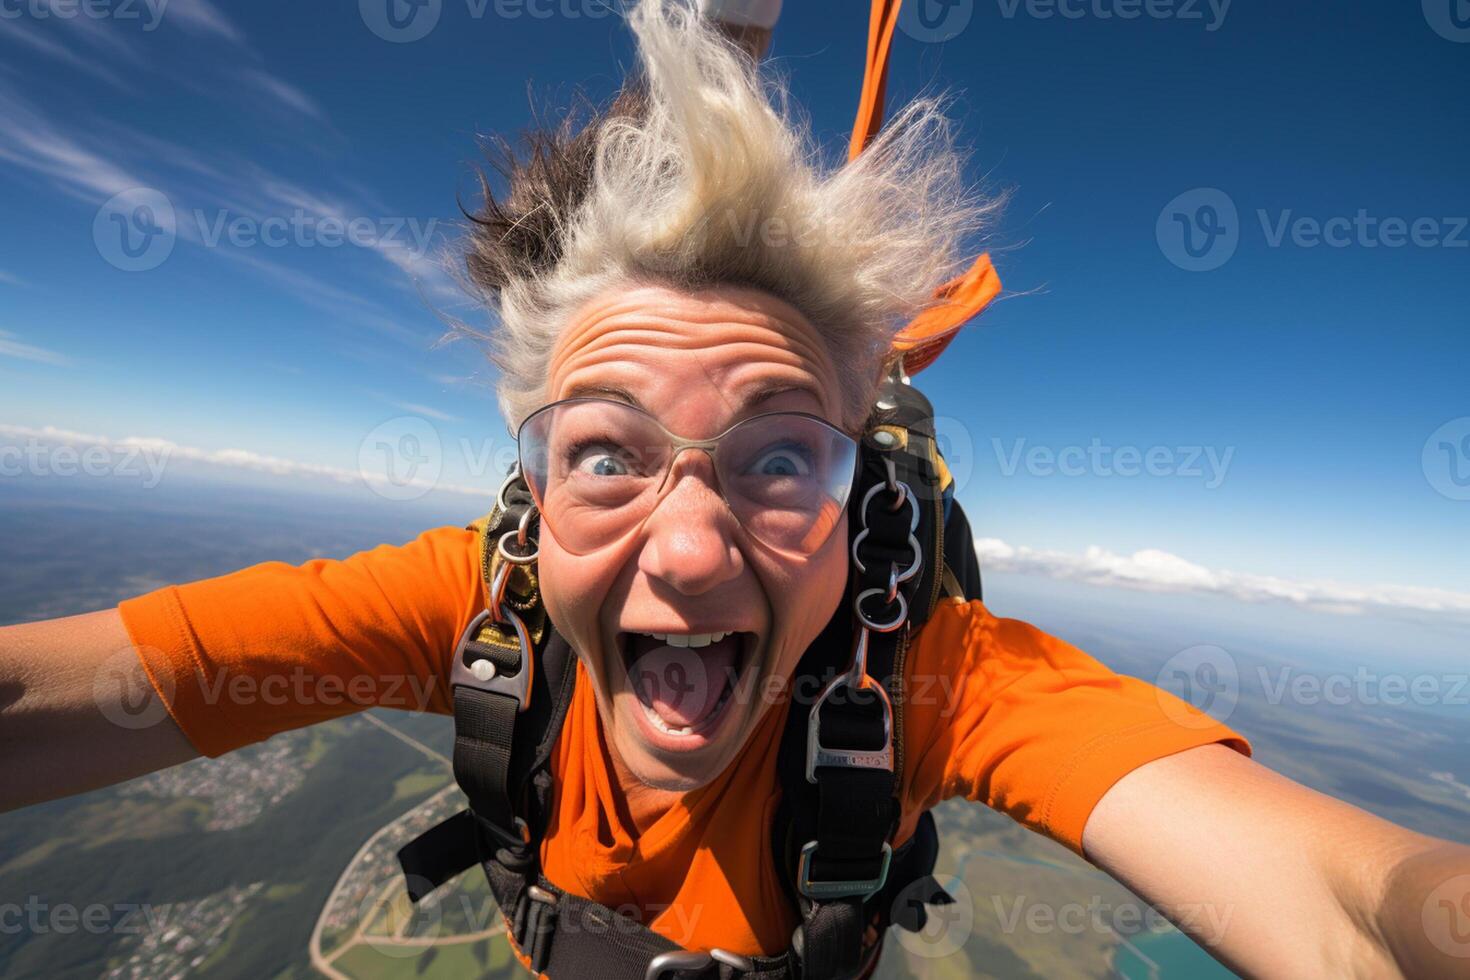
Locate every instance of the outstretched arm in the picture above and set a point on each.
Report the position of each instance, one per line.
(77, 710)
(1278, 880)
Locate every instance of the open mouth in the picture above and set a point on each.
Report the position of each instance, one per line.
(684, 683)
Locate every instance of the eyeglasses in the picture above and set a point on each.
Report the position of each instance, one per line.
(597, 468)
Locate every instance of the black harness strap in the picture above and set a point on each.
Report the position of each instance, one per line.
(839, 814)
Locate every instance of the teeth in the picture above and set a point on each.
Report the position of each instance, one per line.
(690, 640)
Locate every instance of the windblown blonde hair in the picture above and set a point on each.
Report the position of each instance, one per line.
(700, 174)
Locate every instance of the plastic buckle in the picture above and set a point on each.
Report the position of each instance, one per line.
(839, 889)
(486, 677)
(856, 678)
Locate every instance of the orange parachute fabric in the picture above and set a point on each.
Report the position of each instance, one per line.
(961, 299)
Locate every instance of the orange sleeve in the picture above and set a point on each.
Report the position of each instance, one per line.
(273, 647)
(1000, 712)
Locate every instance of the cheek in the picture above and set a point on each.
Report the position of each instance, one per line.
(574, 590)
(804, 600)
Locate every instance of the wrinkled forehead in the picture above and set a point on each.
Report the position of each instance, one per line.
(699, 361)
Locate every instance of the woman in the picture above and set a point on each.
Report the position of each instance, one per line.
(693, 318)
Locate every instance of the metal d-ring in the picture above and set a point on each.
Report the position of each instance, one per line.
(905, 495)
(907, 573)
(889, 627)
(515, 559)
(523, 528)
(510, 479)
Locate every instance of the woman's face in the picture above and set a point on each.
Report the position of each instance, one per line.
(645, 613)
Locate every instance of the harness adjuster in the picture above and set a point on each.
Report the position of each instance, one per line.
(855, 678)
(680, 961)
(481, 673)
(852, 888)
(534, 925)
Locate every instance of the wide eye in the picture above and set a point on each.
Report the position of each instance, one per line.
(598, 461)
(787, 460)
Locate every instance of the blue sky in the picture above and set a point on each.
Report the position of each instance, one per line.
(1287, 394)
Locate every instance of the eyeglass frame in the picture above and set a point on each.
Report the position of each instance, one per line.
(679, 444)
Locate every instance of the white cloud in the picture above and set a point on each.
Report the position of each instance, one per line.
(1152, 570)
(203, 17)
(413, 408)
(10, 347)
(167, 450)
(284, 92)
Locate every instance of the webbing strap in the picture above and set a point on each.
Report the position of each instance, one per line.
(831, 940)
(484, 733)
(881, 24)
(565, 935)
(962, 298)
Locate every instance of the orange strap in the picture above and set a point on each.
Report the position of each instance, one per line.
(925, 338)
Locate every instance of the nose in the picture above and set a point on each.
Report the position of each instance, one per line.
(689, 539)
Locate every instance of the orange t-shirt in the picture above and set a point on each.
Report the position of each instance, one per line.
(999, 712)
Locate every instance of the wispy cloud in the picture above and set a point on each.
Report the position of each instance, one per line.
(1152, 570)
(241, 459)
(30, 34)
(11, 279)
(201, 17)
(284, 93)
(11, 347)
(31, 142)
(413, 408)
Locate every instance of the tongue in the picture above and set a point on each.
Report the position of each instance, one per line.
(682, 685)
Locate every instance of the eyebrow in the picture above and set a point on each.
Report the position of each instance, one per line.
(603, 391)
(757, 394)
